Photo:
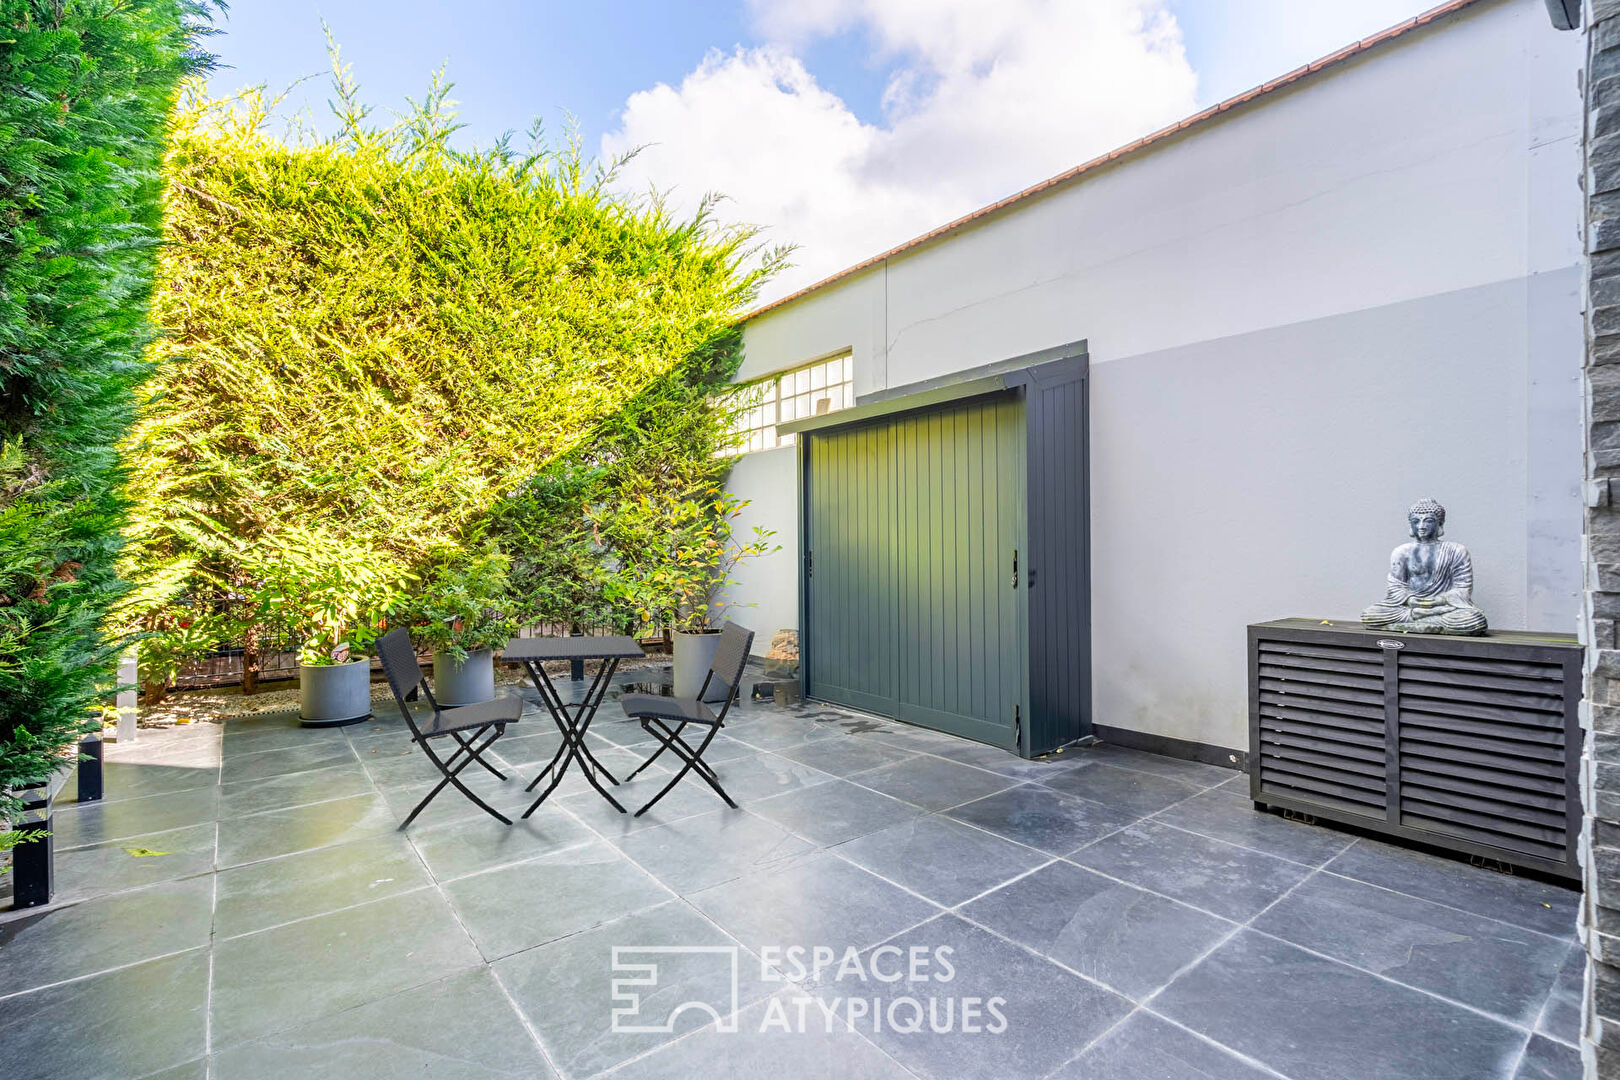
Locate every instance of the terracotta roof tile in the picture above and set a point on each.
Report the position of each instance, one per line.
(1355, 48)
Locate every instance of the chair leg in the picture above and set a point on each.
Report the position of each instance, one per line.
(693, 763)
(684, 751)
(714, 783)
(466, 744)
(452, 776)
(705, 772)
(664, 734)
(646, 725)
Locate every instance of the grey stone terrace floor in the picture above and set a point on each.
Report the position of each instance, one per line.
(1109, 914)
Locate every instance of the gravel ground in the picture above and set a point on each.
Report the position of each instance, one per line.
(217, 704)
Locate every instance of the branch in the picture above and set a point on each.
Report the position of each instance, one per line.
(203, 195)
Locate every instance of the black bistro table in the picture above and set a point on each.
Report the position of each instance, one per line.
(572, 718)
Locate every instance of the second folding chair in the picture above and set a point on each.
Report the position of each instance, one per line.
(665, 718)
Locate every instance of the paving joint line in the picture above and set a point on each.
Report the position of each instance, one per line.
(1201, 1037)
(1530, 1031)
(1145, 1003)
(1514, 1024)
(1115, 1026)
(1325, 867)
(1569, 938)
(1245, 847)
(331, 911)
(213, 934)
(676, 897)
(101, 971)
(1541, 1014)
(484, 962)
(20, 914)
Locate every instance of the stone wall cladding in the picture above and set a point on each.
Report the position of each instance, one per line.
(1600, 712)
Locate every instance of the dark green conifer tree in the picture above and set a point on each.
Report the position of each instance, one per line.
(85, 90)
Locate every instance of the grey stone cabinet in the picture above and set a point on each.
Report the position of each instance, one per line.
(1465, 743)
(944, 554)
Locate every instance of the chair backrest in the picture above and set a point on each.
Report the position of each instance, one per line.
(398, 658)
(730, 657)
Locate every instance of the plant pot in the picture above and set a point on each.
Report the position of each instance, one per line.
(693, 655)
(330, 695)
(465, 683)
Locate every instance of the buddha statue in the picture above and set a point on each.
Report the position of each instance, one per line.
(1431, 582)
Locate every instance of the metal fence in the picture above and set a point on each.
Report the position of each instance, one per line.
(223, 667)
(279, 661)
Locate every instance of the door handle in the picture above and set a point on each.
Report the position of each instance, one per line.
(1015, 569)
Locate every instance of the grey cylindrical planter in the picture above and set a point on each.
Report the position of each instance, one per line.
(466, 683)
(693, 655)
(334, 694)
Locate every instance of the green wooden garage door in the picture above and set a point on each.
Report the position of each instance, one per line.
(912, 526)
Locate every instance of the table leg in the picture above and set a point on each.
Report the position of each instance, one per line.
(559, 716)
(562, 748)
(573, 722)
(568, 717)
(585, 713)
(587, 710)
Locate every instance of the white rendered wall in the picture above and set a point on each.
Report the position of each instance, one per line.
(766, 596)
(1301, 318)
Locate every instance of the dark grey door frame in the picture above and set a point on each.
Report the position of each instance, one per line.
(1057, 706)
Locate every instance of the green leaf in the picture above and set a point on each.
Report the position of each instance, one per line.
(383, 359)
(88, 90)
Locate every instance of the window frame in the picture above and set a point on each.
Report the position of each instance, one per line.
(790, 395)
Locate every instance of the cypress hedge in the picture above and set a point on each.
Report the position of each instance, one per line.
(85, 87)
(414, 352)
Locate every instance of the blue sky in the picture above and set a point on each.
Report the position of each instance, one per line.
(512, 60)
(836, 124)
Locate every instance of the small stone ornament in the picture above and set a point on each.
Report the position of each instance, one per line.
(782, 662)
(1431, 582)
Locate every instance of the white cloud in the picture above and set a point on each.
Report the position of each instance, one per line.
(1238, 44)
(986, 97)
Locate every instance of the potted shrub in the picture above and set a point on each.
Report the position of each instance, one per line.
(461, 613)
(333, 597)
(680, 572)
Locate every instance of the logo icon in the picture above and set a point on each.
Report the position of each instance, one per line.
(639, 972)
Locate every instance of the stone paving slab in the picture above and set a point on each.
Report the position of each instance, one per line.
(244, 905)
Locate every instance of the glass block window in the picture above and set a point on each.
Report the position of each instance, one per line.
(823, 387)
